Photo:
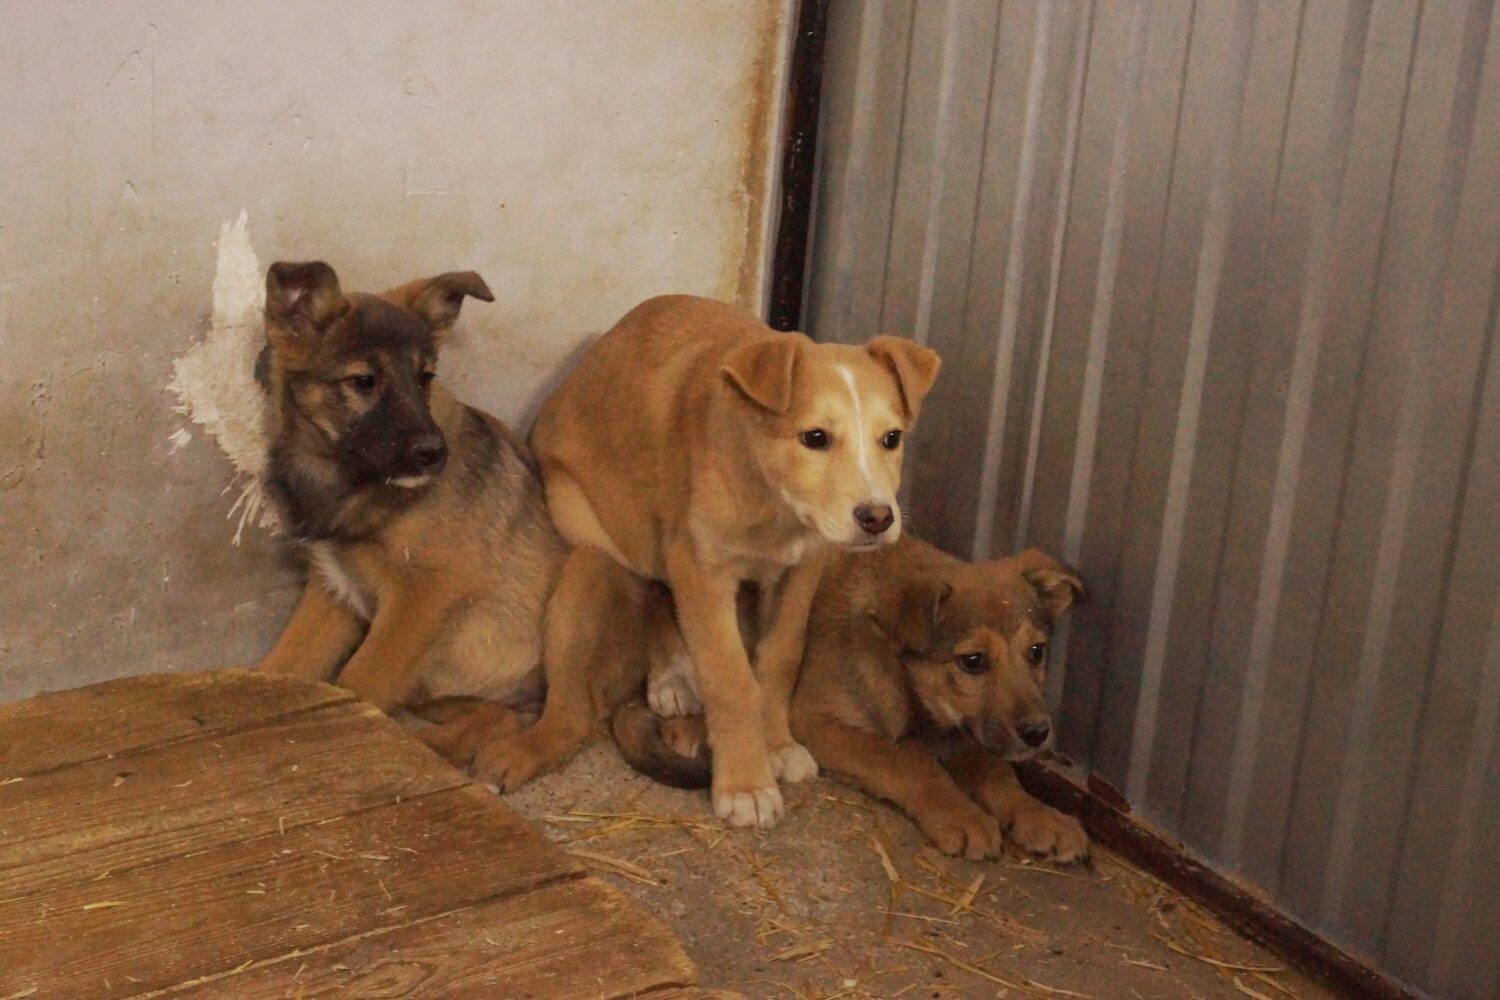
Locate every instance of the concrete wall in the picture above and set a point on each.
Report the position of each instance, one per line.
(580, 156)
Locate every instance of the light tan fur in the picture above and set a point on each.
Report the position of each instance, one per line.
(675, 448)
(885, 699)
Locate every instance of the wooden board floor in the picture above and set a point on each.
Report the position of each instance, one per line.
(233, 835)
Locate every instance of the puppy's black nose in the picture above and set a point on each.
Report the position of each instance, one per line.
(1034, 732)
(874, 518)
(428, 451)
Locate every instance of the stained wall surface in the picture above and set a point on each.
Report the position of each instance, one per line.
(580, 157)
(1216, 285)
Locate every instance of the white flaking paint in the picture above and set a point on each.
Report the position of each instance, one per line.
(215, 380)
(178, 440)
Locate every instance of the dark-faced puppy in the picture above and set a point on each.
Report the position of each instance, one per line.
(431, 556)
(924, 678)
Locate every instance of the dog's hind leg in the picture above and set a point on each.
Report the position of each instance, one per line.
(589, 668)
(316, 640)
(464, 726)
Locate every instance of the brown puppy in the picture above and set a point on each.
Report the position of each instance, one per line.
(923, 678)
(423, 520)
(697, 447)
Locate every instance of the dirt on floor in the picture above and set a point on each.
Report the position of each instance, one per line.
(846, 899)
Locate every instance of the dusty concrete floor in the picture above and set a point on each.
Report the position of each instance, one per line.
(809, 909)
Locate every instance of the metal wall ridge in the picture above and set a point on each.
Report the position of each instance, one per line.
(1216, 287)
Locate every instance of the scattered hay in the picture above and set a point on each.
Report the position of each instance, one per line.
(1217, 963)
(1027, 865)
(1028, 986)
(967, 899)
(617, 866)
(804, 951)
(1279, 987)
(1144, 964)
(1257, 994)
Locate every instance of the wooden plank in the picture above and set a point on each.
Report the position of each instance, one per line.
(573, 939)
(201, 793)
(238, 904)
(88, 723)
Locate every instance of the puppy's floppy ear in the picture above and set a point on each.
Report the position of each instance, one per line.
(437, 300)
(915, 368)
(1057, 583)
(302, 299)
(761, 370)
(909, 614)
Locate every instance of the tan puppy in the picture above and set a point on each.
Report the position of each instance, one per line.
(696, 446)
(423, 522)
(923, 678)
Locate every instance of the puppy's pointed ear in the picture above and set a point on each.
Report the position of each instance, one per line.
(909, 615)
(915, 367)
(761, 370)
(438, 300)
(301, 299)
(1056, 583)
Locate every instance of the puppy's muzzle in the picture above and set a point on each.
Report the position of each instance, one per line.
(874, 518)
(426, 455)
(1025, 739)
(1035, 732)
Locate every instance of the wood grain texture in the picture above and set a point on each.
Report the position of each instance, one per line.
(69, 727)
(204, 914)
(206, 792)
(231, 835)
(576, 938)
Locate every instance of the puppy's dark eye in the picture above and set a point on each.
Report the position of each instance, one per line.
(426, 378)
(1037, 653)
(362, 383)
(816, 439)
(891, 441)
(973, 663)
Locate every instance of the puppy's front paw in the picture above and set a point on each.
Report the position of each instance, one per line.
(507, 764)
(970, 833)
(671, 693)
(793, 763)
(1048, 834)
(744, 806)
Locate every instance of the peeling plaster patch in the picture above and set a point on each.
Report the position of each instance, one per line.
(215, 380)
(179, 440)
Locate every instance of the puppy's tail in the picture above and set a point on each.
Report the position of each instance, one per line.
(637, 732)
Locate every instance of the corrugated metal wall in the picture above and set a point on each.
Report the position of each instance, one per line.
(1216, 286)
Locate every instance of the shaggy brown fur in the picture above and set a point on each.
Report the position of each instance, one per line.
(922, 681)
(430, 551)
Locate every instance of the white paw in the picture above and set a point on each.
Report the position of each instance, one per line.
(671, 692)
(760, 807)
(793, 763)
